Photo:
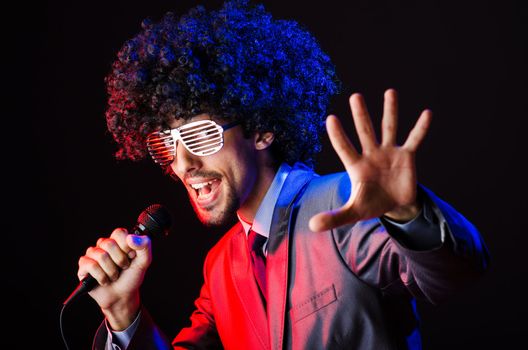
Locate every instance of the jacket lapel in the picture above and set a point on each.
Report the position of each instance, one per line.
(277, 257)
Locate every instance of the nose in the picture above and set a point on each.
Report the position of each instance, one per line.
(184, 162)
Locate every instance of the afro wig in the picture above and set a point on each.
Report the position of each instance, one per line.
(237, 64)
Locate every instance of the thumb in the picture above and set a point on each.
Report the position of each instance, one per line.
(331, 219)
(141, 246)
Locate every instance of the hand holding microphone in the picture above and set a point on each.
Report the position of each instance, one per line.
(117, 265)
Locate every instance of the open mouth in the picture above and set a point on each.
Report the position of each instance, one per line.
(206, 192)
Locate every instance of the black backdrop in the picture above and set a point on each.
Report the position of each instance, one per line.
(63, 189)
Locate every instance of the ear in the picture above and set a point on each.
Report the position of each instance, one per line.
(263, 140)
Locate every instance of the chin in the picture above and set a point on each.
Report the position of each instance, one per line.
(215, 217)
(221, 213)
(209, 220)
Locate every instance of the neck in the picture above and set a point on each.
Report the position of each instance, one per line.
(262, 183)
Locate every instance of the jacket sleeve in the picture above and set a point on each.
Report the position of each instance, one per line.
(433, 274)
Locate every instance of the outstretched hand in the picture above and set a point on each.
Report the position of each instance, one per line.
(383, 176)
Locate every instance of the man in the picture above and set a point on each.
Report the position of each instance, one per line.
(232, 103)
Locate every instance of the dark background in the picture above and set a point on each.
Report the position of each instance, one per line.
(465, 60)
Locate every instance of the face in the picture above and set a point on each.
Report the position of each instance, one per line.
(220, 183)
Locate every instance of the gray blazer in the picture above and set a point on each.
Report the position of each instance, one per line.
(352, 287)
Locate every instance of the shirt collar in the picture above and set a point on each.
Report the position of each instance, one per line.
(262, 221)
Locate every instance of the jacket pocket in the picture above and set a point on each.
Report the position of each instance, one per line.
(313, 304)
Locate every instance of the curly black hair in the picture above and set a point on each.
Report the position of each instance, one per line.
(237, 64)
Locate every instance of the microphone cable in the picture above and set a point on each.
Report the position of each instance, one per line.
(61, 327)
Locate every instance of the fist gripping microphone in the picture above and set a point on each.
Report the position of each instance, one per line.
(154, 221)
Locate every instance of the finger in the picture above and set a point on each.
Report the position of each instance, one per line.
(419, 131)
(90, 266)
(120, 235)
(105, 261)
(142, 246)
(344, 148)
(338, 217)
(363, 123)
(112, 247)
(389, 122)
(331, 219)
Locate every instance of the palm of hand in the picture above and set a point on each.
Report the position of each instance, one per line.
(383, 177)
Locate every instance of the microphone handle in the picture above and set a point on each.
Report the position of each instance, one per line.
(87, 284)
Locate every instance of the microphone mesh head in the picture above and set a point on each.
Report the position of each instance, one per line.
(154, 221)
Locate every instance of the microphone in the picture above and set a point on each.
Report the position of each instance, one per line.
(154, 221)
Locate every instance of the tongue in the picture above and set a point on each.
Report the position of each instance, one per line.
(205, 190)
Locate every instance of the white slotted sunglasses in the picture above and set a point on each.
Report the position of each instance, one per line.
(201, 138)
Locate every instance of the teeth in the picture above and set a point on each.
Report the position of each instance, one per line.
(201, 185)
